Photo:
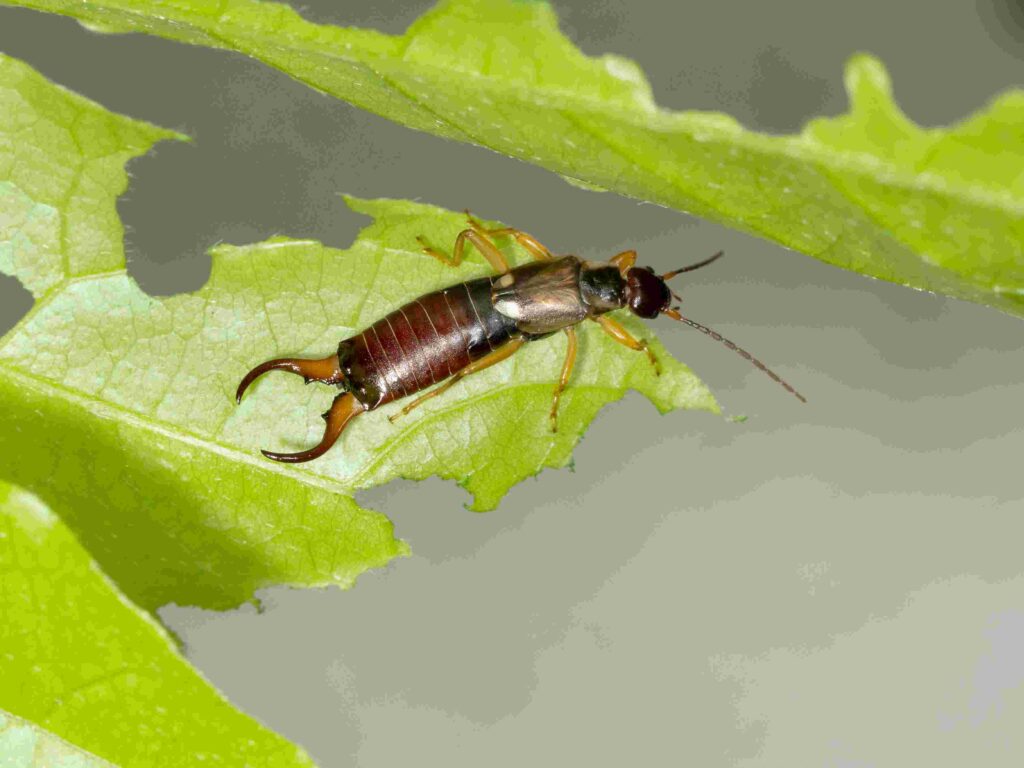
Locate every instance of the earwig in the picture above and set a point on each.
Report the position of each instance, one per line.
(449, 334)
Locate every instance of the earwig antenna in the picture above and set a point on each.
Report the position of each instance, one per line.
(674, 314)
(698, 265)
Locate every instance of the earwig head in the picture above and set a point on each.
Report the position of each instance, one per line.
(647, 295)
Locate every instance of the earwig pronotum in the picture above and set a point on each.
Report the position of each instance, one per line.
(449, 334)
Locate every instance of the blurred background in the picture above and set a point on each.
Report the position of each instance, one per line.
(836, 584)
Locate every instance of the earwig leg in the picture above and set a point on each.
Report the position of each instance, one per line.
(621, 335)
(529, 242)
(480, 240)
(486, 361)
(452, 261)
(326, 370)
(624, 261)
(342, 411)
(570, 360)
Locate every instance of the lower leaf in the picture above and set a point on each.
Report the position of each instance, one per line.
(84, 663)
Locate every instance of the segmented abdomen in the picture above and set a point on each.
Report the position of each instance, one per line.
(424, 342)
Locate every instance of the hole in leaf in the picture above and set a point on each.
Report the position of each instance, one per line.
(15, 302)
(391, 17)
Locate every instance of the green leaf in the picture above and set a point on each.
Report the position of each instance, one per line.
(939, 209)
(102, 386)
(119, 406)
(85, 664)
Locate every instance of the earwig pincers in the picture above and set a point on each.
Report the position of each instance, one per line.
(449, 334)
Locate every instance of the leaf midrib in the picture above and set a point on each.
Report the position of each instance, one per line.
(121, 414)
(114, 412)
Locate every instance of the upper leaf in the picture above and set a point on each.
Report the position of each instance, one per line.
(870, 191)
(84, 663)
(119, 407)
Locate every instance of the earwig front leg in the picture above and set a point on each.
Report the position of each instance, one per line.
(480, 240)
(570, 360)
(529, 242)
(621, 335)
(486, 361)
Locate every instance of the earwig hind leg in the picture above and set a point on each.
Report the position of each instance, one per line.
(495, 357)
(326, 370)
(483, 244)
(563, 380)
(624, 337)
(529, 242)
(342, 411)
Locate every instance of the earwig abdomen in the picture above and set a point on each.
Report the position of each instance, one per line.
(424, 342)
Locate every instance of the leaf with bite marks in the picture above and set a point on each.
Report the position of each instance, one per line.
(120, 406)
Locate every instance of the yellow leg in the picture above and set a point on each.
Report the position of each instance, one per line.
(529, 242)
(570, 360)
(486, 361)
(624, 261)
(483, 244)
(621, 335)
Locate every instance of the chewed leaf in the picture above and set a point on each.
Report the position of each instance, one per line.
(102, 387)
(491, 430)
(119, 407)
(939, 210)
(82, 662)
(61, 169)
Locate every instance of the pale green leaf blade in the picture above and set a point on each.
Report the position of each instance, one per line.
(120, 408)
(939, 210)
(82, 662)
(89, 378)
(61, 169)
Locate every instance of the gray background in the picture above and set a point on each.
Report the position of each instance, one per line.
(837, 584)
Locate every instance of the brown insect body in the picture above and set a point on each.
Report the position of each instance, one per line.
(426, 341)
(447, 334)
(435, 336)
